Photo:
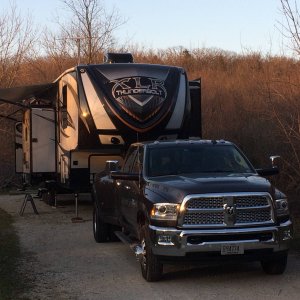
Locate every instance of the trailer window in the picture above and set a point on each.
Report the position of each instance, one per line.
(65, 96)
(64, 111)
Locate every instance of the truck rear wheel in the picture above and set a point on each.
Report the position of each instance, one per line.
(276, 265)
(151, 267)
(100, 229)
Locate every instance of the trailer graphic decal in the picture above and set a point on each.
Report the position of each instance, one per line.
(140, 97)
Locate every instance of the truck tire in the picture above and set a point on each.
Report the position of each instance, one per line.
(275, 266)
(151, 267)
(100, 229)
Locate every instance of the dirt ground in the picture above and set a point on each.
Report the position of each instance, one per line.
(63, 261)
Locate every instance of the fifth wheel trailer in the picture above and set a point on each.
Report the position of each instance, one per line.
(92, 113)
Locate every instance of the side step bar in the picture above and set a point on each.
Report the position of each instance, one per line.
(134, 246)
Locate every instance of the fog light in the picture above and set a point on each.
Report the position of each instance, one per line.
(165, 240)
(286, 235)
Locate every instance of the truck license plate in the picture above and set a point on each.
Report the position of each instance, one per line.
(231, 249)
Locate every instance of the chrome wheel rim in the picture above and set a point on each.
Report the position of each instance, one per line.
(95, 222)
(144, 254)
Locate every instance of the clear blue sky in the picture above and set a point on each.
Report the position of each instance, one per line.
(233, 25)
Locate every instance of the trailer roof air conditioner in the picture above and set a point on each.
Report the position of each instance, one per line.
(111, 58)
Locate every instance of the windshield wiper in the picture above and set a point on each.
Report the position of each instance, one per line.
(219, 171)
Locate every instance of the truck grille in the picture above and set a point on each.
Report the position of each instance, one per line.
(231, 210)
(203, 218)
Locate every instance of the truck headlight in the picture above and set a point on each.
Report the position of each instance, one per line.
(165, 211)
(282, 207)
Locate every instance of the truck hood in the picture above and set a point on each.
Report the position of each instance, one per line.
(175, 187)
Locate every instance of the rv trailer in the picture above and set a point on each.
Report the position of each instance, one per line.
(92, 113)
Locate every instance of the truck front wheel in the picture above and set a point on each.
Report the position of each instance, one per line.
(152, 268)
(276, 265)
(100, 229)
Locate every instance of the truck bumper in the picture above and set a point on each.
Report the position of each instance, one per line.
(179, 242)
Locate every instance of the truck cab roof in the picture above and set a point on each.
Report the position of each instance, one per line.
(164, 143)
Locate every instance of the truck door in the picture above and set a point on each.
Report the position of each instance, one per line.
(129, 191)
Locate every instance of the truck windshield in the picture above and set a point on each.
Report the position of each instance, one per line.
(195, 158)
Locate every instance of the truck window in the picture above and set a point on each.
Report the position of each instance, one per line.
(138, 163)
(200, 158)
(130, 160)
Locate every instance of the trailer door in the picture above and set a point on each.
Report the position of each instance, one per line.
(43, 140)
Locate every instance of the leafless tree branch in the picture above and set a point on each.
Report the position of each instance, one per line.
(291, 27)
(90, 27)
(17, 38)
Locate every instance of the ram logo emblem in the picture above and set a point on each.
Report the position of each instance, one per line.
(229, 214)
(229, 210)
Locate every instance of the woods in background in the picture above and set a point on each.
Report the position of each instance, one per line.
(250, 99)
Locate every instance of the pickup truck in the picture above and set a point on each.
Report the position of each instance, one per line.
(192, 200)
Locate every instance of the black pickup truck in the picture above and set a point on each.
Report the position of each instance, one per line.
(192, 200)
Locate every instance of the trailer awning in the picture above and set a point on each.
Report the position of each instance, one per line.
(18, 95)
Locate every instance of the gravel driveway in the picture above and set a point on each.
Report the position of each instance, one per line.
(65, 262)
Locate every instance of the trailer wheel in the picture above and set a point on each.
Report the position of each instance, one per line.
(152, 268)
(276, 265)
(100, 229)
(51, 197)
(45, 197)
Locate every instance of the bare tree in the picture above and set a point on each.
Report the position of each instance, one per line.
(283, 99)
(291, 27)
(87, 33)
(282, 107)
(17, 38)
(60, 50)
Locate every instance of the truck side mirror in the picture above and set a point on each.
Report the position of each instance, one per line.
(273, 159)
(112, 165)
(268, 172)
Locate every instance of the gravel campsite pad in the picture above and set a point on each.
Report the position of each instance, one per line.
(62, 261)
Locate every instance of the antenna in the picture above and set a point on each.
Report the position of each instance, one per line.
(77, 39)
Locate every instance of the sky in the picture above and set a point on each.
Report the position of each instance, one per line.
(241, 26)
